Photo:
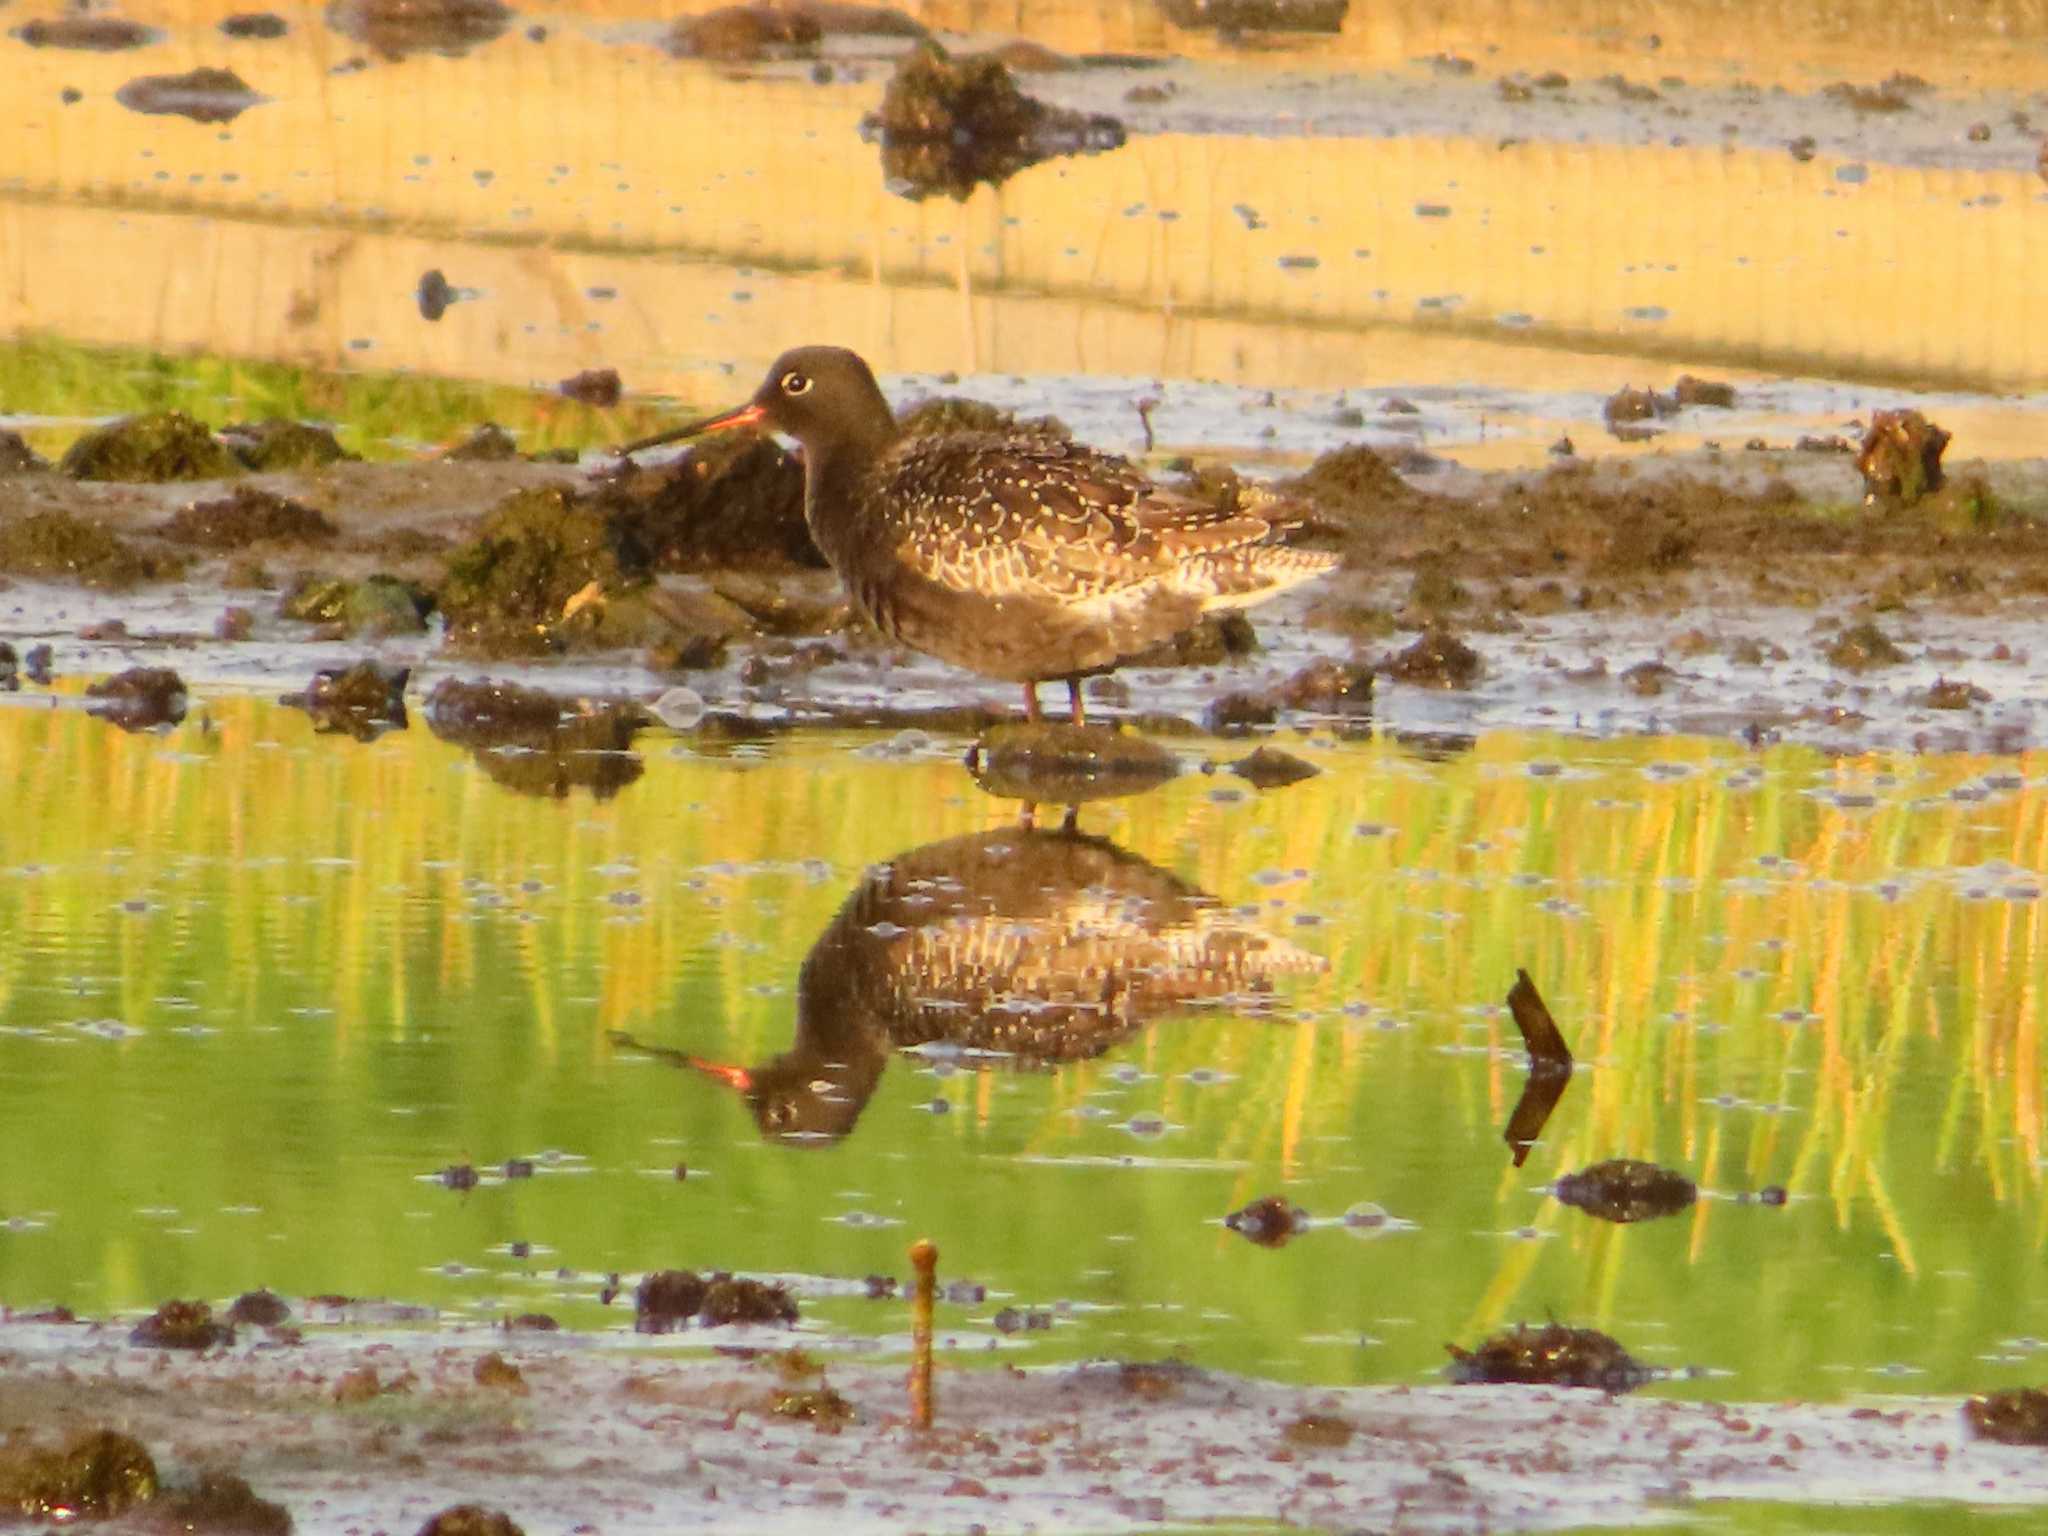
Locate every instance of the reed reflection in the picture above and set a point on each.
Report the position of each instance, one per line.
(1022, 947)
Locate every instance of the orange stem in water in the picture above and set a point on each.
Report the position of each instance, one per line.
(924, 1257)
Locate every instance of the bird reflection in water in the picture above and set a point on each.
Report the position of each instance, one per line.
(1024, 947)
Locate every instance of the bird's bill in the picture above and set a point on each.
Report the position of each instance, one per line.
(748, 415)
(737, 1078)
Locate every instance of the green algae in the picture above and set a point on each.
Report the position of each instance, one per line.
(97, 1475)
(57, 545)
(154, 446)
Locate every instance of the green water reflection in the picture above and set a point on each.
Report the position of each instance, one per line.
(258, 987)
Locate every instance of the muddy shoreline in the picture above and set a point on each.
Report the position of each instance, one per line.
(578, 1433)
(1750, 593)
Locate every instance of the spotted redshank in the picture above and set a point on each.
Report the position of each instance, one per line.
(1014, 554)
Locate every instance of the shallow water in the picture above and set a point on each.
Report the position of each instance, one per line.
(262, 987)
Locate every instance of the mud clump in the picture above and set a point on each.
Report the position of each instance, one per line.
(181, 1325)
(1329, 687)
(1051, 763)
(1623, 1189)
(1231, 16)
(489, 443)
(1271, 1222)
(1863, 648)
(471, 1520)
(395, 28)
(247, 515)
(98, 1475)
(1630, 404)
(1900, 459)
(363, 702)
(1351, 490)
(55, 545)
(205, 95)
(261, 26)
(736, 502)
(730, 1301)
(140, 699)
(259, 1309)
(947, 125)
(1270, 768)
(821, 1407)
(1711, 393)
(90, 34)
(507, 592)
(2016, 1416)
(746, 34)
(154, 446)
(1214, 639)
(221, 1504)
(17, 458)
(1238, 714)
(1438, 660)
(498, 1374)
(667, 1299)
(1550, 1356)
(594, 386)
(375, 606)
(536, 743)
(276, 444)
(1955, 693)
(1894, 94)
(1320, 1432)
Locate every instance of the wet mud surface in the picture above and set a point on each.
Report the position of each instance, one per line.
(1769, 595)
(775, 1440)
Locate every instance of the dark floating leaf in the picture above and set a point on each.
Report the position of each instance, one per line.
(1550, 1068)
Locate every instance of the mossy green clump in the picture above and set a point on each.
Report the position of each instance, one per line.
(1862, 647)
(376, 605)
(58, 545)
(276, 444)
(17, 458)
(98, 1475)
(154, 446)
(508, 591)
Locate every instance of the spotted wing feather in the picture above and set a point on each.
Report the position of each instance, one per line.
(1009, 516)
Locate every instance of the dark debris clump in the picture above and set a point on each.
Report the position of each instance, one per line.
(99, 1474)
(181, 1325)
(1550, 1356)
(1270, 1222)
(668, 1298)
(1625, 1189)
(139, 699)
(247, 515)
(2016, 1416)
(947, 124)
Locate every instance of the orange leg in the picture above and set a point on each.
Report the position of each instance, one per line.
(1031, 703)
(1074, 701)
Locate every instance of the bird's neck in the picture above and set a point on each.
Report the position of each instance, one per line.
(833, 475)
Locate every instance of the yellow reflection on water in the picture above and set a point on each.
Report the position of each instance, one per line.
(362, 964)
(614, 206)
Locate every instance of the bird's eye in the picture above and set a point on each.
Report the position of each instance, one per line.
(794, 383)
